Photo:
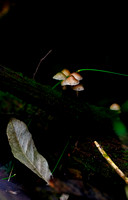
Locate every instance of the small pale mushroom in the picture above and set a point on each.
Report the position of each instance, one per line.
(77, 76)
(66, 72)
(59, 76)
(115, 107)
(70, 81)
(78, 88)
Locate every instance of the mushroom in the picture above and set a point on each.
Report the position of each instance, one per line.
(66, 72)
(78, 87)
(67, 78)
(115, 107)
(77, 76)
(62, 75)
(59, 76)
(63, 83)
(70, 81)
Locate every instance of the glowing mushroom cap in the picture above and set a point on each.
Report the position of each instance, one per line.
(70, 81)
(77, 76)
(115, 107)
(59, 76)
(78, 87)
(66, 72)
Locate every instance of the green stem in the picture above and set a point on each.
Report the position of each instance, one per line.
(99, 70)
(95, 70)
(56, 85)
(60, 157)
(8, 177)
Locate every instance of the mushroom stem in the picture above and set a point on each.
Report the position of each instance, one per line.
(77, 92)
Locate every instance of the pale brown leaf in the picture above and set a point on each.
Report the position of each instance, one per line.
(23, 148)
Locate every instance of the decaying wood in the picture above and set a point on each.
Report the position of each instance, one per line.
(47, 98)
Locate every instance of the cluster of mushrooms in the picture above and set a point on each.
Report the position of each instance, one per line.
(71, 79)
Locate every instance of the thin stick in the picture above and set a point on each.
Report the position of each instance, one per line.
(113, 165)
(40, 63)
(10, 173)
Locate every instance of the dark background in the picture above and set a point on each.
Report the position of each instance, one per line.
(77, 40)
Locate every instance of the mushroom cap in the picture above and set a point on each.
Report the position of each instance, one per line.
(59, 76)
(77, 76)
(115, 107)
(66, 72)
(63, 83)
(78, 87)
(70, 81)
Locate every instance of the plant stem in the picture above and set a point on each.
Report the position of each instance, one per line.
(95, 70)
(8, 177)
(56, 85)
(99, 70)
(10, 173)
(60, 157)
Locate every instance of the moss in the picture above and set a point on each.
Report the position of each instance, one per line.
(10, 104)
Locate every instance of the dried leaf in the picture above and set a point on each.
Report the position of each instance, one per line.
(24, 150)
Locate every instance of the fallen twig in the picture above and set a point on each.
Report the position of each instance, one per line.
(114, 166)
